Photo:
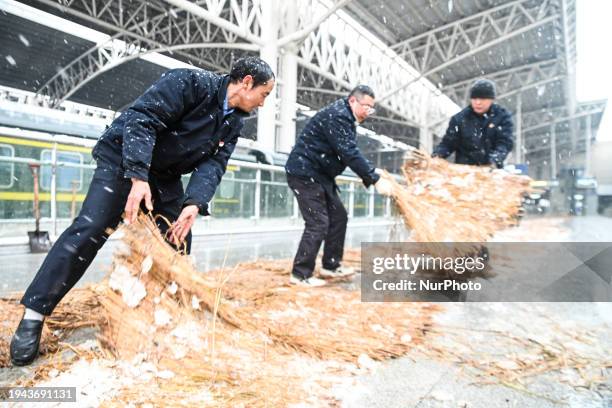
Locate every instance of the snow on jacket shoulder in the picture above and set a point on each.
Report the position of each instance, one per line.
(176, 127)
(478, 139)
(327, 145)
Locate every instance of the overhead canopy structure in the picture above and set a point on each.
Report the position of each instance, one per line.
(528, 47)
(420, 56)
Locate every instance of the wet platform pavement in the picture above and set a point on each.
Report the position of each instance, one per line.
(473, 330)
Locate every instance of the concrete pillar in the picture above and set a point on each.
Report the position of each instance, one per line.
(587, 152)
(553, 152)
(570, 84)
(53, 188)
(425, 133)
(519, 130)
(288, 73)
(266, 116)
(425, 139)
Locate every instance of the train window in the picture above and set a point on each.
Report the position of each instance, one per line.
(228, 186)
(65, 175)
(7, 170)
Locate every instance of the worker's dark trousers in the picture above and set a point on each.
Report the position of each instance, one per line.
(76, 248)
(325, 219)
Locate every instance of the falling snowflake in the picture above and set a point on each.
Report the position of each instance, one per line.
(24, 40)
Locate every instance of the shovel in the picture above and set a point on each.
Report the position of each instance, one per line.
(39, 240)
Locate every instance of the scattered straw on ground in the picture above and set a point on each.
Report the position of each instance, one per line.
(514, 360)
(238, 336)
(80, 308)
(243, 337)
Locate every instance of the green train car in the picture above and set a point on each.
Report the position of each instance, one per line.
(16, 181)
(235, 197)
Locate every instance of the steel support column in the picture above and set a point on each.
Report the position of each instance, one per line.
(266, 116)
(289, 79)
(570, 85)
(519, 129)
(553, 152)
(425, 139)
(587, 151)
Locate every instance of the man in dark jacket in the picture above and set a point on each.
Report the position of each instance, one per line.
(480, 134)
(324, 149)
(187, 122)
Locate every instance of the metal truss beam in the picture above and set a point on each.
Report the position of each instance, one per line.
(155, 26)
(300, 35)
(511, 82)
(233, 18)
(323, 92)
(592, 105)
(508, 80)
(147, 27)
(154, 20)
(565, 45)
(429, 49)
(541, 118)
(115, 52)
(533, 118)
(564, 119)
(444, 46)
(563, 141)
(245, 21)
(372, 21)
(386, 123)
(544, 117)
(538, 84)
(331, 53)
(563, 146)
(565, 37)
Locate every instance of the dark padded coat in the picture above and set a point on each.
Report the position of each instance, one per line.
(176, 127)
(478, 139)
(327, 145)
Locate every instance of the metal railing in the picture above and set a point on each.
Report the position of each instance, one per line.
(255, 198)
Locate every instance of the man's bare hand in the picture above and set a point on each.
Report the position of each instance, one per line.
(181, 227)
(140, 191)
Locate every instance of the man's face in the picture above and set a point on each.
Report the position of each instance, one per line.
(253, 97)
(362, 107)
(481, 105)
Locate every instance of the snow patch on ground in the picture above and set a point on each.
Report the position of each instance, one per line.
(131, 288)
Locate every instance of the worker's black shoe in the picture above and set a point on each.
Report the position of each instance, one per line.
(25, 342)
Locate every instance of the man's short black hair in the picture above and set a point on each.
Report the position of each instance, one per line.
(361, 90)
(253, 66)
